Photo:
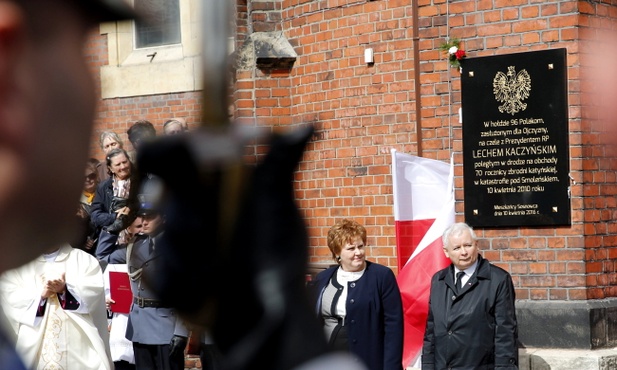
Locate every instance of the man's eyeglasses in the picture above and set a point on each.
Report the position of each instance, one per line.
(91, 177)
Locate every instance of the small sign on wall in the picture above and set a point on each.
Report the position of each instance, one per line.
(515, 139)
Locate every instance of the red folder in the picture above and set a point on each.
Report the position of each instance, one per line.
(120, 291)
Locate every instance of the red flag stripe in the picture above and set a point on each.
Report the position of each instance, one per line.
(415, 285)
(423, 209)
(408, 236)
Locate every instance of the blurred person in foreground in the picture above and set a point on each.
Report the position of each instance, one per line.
(47, 97)
(359, 302)
(472, 319)
(254, 225)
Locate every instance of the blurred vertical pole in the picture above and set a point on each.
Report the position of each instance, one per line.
(229, 175)
(215, 61)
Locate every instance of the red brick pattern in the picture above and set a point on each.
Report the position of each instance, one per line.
(119, 114)
(361, 111)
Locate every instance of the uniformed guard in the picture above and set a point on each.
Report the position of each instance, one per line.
(158, 334)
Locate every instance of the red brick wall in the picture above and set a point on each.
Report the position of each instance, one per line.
(119, 114)
(361, 111)
(546, 263)
(598, 161)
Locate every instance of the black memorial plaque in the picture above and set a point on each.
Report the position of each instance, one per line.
(515, 139)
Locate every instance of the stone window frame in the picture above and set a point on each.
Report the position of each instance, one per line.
(154, 70)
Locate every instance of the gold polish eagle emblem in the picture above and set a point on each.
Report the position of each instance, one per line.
(511, 89)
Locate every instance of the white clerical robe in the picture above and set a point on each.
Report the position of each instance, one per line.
(60, 339)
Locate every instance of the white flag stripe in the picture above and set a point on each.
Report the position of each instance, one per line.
(419, 193)
(445, 216)
(436, 231)
(424, 207)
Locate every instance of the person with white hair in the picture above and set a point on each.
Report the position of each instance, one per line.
(472, 319)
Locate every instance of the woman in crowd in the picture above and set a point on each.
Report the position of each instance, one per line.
(113, 207)
(358, 301)
(174, 126)
(88, 236)
(109, 141)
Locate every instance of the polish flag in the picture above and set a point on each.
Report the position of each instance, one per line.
(423, 209)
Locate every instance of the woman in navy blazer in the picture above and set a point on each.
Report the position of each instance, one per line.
(358, 302)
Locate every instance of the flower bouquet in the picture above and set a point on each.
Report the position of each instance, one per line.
(455, 53)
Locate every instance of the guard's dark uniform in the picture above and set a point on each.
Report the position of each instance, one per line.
(151, 326)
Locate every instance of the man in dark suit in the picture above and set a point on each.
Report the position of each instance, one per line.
(472, 320)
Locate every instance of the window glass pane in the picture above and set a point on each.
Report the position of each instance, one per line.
(163, 25)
